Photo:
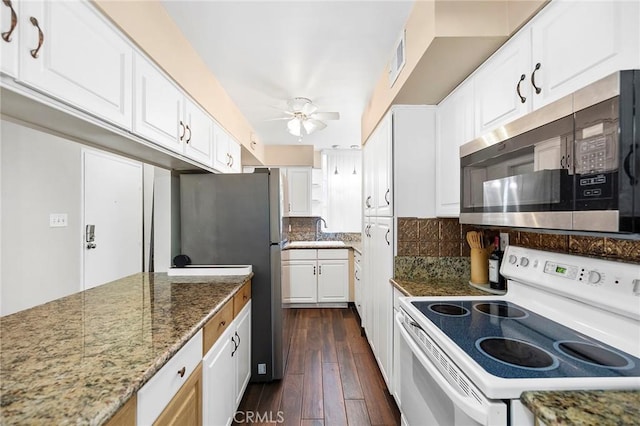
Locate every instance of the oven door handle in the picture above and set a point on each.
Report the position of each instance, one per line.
(480, 412)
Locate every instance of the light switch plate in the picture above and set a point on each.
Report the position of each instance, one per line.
(58, 220)
(504, 240)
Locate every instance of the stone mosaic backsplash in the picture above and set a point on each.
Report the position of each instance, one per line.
(446, 237)
(306, 229)
(427, 269)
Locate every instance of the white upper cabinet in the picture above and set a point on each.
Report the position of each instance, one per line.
(454, 127)
(226, 152)
(369, 176)
(502, 86)
(383, 200)
(9, 13)
(298, 187)
(159, 107)
(198, 141)
(578, 42)
(69, 51)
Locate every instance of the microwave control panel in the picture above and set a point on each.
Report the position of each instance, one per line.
(595, 150)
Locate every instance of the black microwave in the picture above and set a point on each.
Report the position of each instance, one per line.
(572, 165)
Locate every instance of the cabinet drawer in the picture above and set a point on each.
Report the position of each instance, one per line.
(160, 389)
(305, 254)
(333, 254)
(241, 298)
(216, 326)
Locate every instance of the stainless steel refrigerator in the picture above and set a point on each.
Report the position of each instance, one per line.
(232, 220)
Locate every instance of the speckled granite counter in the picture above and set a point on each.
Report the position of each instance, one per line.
(324, 244)
(587, 408)
(78, 359)
(447, 287)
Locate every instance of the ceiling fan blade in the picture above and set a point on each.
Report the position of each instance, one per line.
(308, 109)
(326, 116)
(294, 127)
(277, 119)
(311, 125)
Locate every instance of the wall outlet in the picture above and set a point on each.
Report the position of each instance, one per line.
(58, 220)
(504, 240)
(262, 368)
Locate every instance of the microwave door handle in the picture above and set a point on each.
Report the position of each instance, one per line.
(480, 412)
(633, 180)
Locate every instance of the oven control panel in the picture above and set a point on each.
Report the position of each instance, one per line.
(606, 283)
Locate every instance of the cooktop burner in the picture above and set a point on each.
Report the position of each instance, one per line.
(500, 310)
(510, 341)
(593, 354)
(516, 352)
(449, 309)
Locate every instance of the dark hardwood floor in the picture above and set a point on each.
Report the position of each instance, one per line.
(331, 377)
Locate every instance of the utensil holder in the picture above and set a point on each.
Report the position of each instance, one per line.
(479, 266)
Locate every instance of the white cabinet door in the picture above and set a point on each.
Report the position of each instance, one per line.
(578, 42)
(454, 127)
(299, 281)
(80, 59)
(384, 171)
(333, 281)
(502, 87)
(243, 352)
(9, 18)
(159, 107)
(218, 381)
(368, 171)
(198, 140)
(299, 187)
(368, 273)
(235, 154)
(383, 329)
(221, 159)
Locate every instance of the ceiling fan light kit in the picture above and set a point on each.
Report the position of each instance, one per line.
(305, 117)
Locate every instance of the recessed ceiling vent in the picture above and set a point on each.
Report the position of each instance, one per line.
(397, 60)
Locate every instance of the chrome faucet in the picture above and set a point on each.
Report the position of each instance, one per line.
(318, 229)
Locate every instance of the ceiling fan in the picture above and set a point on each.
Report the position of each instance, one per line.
(304, 117)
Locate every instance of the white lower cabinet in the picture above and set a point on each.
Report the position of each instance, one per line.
(395, 388)
(358, 290)
(226, 371)
(315, 276)
(156, 394)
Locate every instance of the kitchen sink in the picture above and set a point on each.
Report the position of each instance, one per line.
(312, 244)
(210, 270)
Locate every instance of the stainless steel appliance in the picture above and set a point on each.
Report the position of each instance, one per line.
(573, 164)
(235, 219)
(567, 323)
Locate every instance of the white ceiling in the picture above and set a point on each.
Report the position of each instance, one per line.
(266, 52)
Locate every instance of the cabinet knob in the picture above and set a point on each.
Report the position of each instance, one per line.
(182, 371)
(6, 36)
(35, 52)
(222, 323)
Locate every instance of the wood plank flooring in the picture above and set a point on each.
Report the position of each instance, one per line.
(331, 377)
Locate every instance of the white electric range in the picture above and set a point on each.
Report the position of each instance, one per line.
(566, 323)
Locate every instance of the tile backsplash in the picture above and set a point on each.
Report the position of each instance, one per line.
(306, 229)
(446, 237)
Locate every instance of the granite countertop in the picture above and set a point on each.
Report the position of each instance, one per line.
(440, 287)
(588, 408)
(78, 359)
(322, 244)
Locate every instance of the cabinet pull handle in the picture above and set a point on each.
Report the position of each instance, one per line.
(35, 52)
(522, 98)
(356, 275)
(314, 270)
(189, 129)
(6, 36)
(386, 196)
(238, 336)
(228, 160)
(386, 237)
(182, 371)
(232, 160)
(568, 161)
(222, 323)
(633, 180)
(366, 202)
(533, 79)
(289, 206)
(320, 270)
(562, 162)
(183, 131)
(235, 346)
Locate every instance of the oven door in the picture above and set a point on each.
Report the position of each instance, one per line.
(428, 398)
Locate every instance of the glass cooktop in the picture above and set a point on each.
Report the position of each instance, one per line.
(511, 342)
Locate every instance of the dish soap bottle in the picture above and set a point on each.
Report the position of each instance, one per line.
(496, 280)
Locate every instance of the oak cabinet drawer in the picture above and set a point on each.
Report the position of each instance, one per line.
(161, 388)
(216, 326)
(241, 298)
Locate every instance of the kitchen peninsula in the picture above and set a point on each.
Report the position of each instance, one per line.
(80, 358)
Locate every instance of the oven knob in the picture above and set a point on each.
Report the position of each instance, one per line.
(524, 261)
(594, 277)
(512, 259)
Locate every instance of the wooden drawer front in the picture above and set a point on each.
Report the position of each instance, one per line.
(185, 409)
(241, 298)
(302, 254)
(157, 392)
(126, 416)
(333, 254)
(216, 326)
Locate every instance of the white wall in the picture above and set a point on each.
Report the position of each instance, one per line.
(343, 204)
(41, 174)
